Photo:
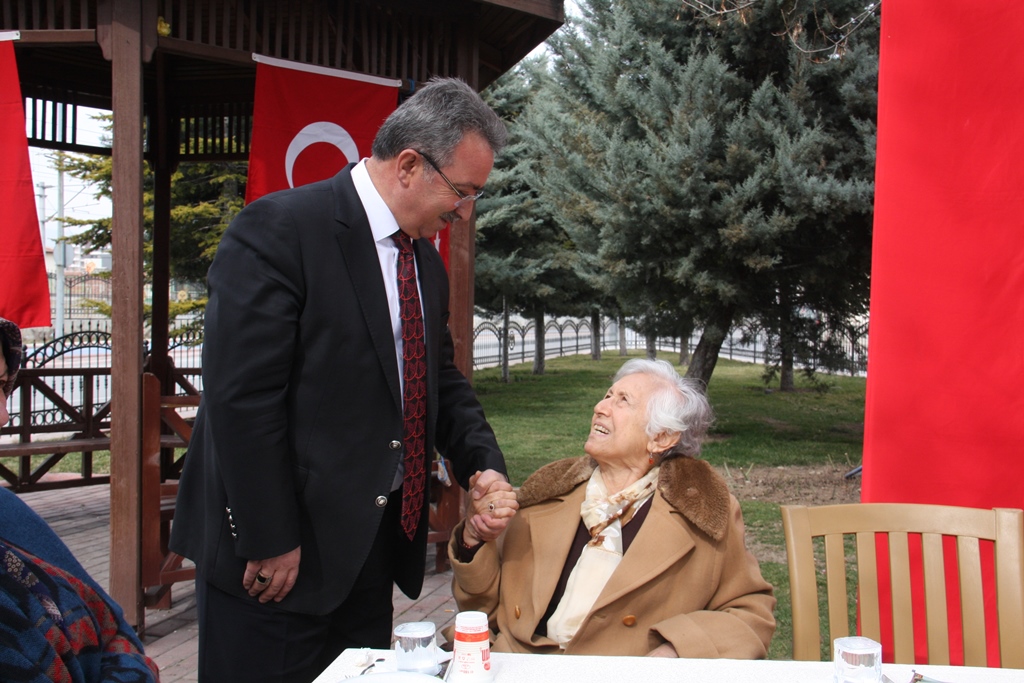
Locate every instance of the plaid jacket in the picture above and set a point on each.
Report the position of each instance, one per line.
(56, 627)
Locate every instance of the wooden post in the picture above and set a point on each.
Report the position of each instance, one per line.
(462, 241)
(126, 357)
(161, 166)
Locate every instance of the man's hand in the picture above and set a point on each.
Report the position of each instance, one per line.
(492, 504)
(273, 578)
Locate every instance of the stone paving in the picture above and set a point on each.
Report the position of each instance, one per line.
(81, 517)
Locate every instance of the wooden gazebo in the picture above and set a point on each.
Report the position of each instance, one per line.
(177, 74)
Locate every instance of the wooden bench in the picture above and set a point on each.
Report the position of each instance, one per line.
(28, 478)
(161, 568)
(446, 502)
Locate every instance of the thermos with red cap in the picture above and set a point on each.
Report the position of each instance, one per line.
(471, 655)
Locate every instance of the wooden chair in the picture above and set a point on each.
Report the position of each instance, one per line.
(161, 568)
(898, 521)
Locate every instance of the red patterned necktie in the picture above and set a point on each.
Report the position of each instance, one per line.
(414, 377)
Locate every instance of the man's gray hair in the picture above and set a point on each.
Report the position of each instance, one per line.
(677, 406)
(435, 119)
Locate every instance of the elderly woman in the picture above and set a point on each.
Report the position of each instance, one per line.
(56, 622)
(634, 549)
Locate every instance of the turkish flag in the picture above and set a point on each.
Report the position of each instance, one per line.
(944, 417)
(309, 122)
(24, 288)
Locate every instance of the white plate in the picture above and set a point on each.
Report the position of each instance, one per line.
(400, 677)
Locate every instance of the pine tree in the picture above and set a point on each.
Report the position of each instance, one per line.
(524, 262)
(717, 172)
(205, 196)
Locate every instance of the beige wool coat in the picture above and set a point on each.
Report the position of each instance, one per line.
(687, 577)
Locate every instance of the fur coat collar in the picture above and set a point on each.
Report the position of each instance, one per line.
(689, 485)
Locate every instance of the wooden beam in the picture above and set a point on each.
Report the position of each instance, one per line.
(64, 38)
(125, 33)
(548, 9)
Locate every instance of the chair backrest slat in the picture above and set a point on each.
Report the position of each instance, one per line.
(902, 607)
(907, 524)
(838, 598)
(1009, 587)
(935, 598)
(972, 601)
(867, 582)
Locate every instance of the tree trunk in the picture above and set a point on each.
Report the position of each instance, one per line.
(787, 341)
(685, 333)
(705, 356)
(652, 346)
(623, 351)
(538, 344)
(504, 340)
(595, 335)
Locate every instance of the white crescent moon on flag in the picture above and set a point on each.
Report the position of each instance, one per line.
(321, 131)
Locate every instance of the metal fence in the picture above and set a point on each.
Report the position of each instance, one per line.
(72, 371)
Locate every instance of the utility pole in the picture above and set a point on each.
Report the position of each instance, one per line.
(58, 287)
(60, 252)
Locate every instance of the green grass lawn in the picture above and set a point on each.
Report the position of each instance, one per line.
(542, 418)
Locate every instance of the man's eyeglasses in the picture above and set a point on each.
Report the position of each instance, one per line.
(463, 198)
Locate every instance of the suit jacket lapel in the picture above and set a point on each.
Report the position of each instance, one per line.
(363, 268)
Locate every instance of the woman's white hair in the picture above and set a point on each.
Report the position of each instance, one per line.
(677, 406)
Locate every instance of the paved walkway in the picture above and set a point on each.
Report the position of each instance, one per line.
(81, 517)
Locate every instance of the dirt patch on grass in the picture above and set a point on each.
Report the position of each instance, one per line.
(794, 485)
(814, 485)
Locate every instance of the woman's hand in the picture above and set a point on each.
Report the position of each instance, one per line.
(492, 504)
(663, 650)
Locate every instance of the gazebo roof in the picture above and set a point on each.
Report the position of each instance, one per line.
(198, 53)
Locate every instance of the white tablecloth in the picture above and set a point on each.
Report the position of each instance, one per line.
(558, 669)
(555, 669)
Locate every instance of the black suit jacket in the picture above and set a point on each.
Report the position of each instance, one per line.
(300, 427)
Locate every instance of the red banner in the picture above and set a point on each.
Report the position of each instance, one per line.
(944, 419)
(24, 289)
(309, 122)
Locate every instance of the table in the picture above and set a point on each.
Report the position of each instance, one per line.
(512, 668)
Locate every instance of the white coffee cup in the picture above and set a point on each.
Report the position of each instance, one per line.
(416, 647)
(857, 660)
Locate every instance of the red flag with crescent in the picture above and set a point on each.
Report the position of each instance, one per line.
(310, 121)
(25, 294)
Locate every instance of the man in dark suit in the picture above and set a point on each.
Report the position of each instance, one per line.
(291, 499)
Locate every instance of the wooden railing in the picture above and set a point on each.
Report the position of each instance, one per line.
(42, 410)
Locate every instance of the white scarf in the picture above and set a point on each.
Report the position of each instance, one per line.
(603, 515)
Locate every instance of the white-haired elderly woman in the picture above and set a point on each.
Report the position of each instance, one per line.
(635, 548)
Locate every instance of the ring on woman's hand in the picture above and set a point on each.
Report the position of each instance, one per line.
(262, 580)
(490, 506)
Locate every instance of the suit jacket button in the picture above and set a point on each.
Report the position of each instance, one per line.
(381, 501)
(234, 535)
(395, 445)
(519, 612)
(629, 620)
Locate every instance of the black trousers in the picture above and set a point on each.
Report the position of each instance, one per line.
(242, 640)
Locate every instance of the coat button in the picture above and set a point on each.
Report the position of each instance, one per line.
(234, 535)
(381, 501)
(629, 620)
(395, 445)
(519, 612)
